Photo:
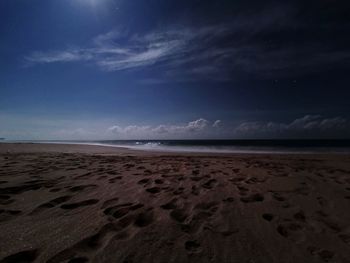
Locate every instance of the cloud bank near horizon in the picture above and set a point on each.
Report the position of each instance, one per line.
(306, 127)
(309, 126)
(192, 129)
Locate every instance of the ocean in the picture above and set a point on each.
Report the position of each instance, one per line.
(225, 146)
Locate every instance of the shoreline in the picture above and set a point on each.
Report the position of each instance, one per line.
(114, 149)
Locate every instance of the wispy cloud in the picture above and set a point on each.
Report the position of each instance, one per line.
(69, 55)
(110, 55)
(252, 43)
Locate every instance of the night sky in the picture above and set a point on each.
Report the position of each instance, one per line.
(184, 69)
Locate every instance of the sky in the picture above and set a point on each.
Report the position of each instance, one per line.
(184, 69)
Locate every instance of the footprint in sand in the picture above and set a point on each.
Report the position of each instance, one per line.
(129, 213)
(268, 217)
(228, 200)
(197, 178)
(121, 210)
(179, 191)
(81, 251)
(170, 205)
(80, 204)
(83, 176)
(6, 214)
(345, 238)
(278, 197)
(14, 190)
(324, 254)
(102, 177)
(78, 260)
(144, 181)
(80, 188)
(202, 213)
(206, 206)
(51, 204)
(195, 190)
(181, 178)
(144, 218)
(195, 172)
(179, 215)
(253, 198)
(322, 201)
(153, 190)
(193, 246)
(109, 202)
(54, 190)
(159, 181)
(25, 256)
(236, 180)
(300, 216)
(112, 173)
(255, 180)
(6, 200)
(292, 231)
(210, 184)
(114, 179)
(242, 190)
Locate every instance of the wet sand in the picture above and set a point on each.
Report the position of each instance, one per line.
(74, 203)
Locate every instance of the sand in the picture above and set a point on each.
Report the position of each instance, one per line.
(73, 203)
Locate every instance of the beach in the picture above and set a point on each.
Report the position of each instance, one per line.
(81, 203)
